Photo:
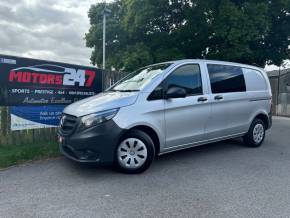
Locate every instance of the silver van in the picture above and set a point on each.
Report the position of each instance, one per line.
(167, 107)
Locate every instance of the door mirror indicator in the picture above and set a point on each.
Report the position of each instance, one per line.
(175, 92)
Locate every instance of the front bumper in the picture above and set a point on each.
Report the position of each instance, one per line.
(94, 145)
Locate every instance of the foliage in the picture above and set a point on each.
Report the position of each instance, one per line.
(15, 154)
(141, 32)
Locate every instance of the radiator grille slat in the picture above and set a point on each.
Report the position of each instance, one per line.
(67, 124)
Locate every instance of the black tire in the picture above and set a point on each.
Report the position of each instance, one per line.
(249, 138)
(147, 141)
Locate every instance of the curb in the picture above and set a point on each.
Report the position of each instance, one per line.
(281, 118)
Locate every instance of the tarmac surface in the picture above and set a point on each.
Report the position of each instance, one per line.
(222, 179)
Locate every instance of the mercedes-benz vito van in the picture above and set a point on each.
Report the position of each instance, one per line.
(167, 107)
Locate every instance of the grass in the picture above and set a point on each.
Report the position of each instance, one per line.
(12, 155)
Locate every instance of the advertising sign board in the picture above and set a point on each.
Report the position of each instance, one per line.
(35, 117)
(25, 81)
(37, 90)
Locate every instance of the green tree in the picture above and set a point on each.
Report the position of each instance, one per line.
(141, 32)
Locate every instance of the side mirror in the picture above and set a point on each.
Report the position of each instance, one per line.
(175, 92)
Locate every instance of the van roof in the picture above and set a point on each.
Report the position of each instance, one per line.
(218, 62)
(212, 61)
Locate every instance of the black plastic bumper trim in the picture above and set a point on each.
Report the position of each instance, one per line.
(100, 140)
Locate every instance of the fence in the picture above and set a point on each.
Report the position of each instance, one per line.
(8, 137)
(111, 77)
(280, 84)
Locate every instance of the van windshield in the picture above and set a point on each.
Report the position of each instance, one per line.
(139, 79)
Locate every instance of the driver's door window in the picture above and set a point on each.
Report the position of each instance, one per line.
(187, 77)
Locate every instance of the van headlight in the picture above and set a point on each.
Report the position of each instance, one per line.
(97, 118)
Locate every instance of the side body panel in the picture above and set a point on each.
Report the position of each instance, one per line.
(185, 118)
(177, 122)
(227, 113)
(182, 123)
(234, 113)
(143, 112)
(258, 92)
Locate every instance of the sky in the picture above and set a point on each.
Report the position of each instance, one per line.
(47, 29)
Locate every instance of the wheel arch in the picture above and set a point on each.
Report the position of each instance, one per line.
(150, 132)
(264, 117)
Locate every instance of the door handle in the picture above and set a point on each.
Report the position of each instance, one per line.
(202, 99)
(218, 97)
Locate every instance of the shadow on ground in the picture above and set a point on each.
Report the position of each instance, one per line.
(198, 152)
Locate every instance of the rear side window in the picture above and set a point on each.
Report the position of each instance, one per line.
(225, 78)
(187, 77)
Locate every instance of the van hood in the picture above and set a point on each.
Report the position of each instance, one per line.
(101, 102)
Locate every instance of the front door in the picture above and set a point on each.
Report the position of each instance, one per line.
(185, 118)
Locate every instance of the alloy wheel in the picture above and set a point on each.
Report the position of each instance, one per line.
(258, 133)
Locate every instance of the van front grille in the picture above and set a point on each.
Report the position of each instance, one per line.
(67, 124)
